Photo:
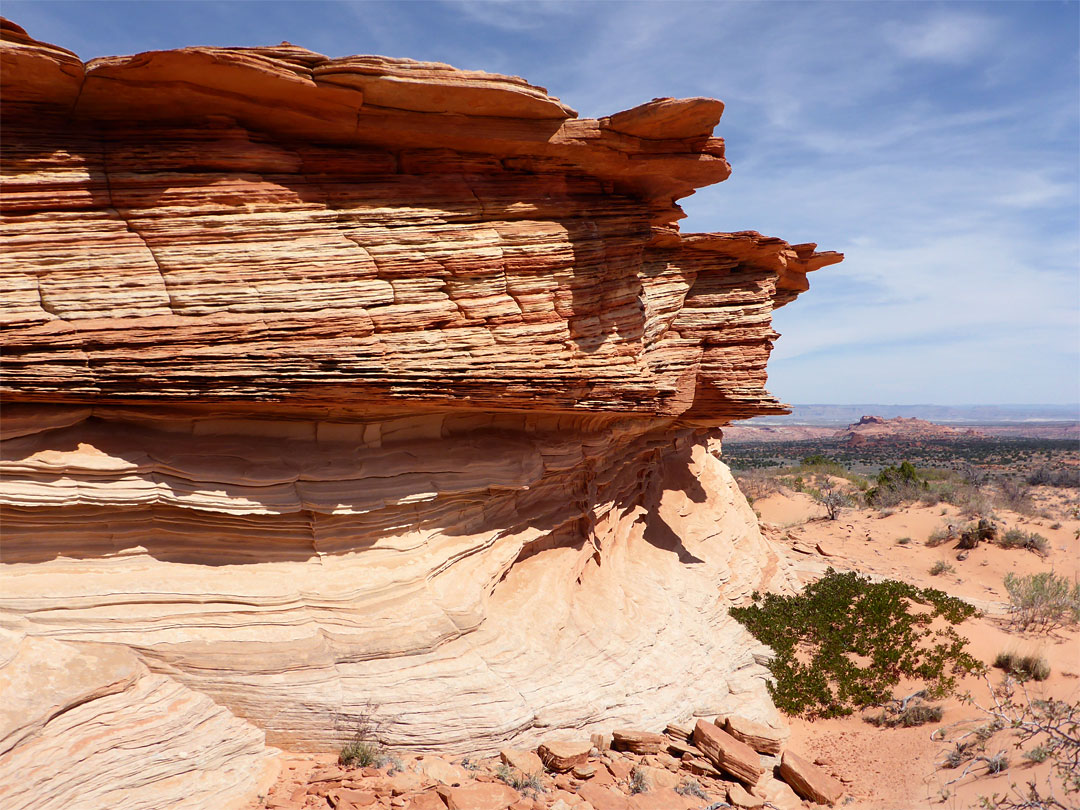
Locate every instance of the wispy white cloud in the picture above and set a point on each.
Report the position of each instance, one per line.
(947, 36)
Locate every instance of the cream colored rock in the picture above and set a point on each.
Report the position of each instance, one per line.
(87, 706)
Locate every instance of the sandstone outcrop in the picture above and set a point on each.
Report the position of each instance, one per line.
(358, 389)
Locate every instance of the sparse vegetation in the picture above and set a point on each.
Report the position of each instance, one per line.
(364, 748)
(903, 541)
(639, 781)
(821, 635)
(527, 783)
(1017, 538)
(906, 713)
(691, 787)
(896, 485)
(942, 535)
(1054, 727)
(361, 752)
(1043, 601)
(833, 500)
(941, 567)
(1023, 667)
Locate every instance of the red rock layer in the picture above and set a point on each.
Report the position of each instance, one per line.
(271, 225)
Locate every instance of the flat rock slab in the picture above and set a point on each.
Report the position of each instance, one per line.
(728, 754)
(763, 739)
(480, 796)
(426, 801)
(808, 780)
(639, 742)
(525, 761)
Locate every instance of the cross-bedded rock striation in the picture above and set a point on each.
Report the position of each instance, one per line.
(347, 386)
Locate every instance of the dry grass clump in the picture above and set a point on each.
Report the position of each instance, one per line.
(1042, 601)
(527, 783)
(916, 714)
(1023, 667)
(941, 567)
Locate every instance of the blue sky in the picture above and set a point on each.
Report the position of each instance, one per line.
(936, 144)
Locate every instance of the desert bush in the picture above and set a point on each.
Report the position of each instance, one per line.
(907, 713)
(527, 783)
(361, 752)
(941, 567)
(903, 541)
(1017, 538)
(639, 781)
(942, 535)
(896, 485)
(756, 484)
(1014, 495)
(364, 748)
(973, 501)
(1054, 726)
(1055, 477)
(1023, 667)
(833, 500)
(691, 787)
(1042, 601)
(844, 615)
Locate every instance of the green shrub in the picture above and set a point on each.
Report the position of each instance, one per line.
(1023, 667)
(941, 535)
(361, 753)
(1042, 601)
(903, 541)
(843, 615)
(1017, 538)
(896, 485)
(941, 567)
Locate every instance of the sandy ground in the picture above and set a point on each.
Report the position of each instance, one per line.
(901, 768)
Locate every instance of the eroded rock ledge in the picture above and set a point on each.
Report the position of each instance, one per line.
(333, 384)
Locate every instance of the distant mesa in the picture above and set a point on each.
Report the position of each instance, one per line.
(900, 429)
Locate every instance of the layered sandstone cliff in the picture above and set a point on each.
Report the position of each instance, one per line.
(340, 386)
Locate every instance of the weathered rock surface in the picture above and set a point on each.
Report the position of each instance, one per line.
(762, 738)
(728, 754)
(348, 389)
(639, 742)
(809, 781)
(72, 714)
